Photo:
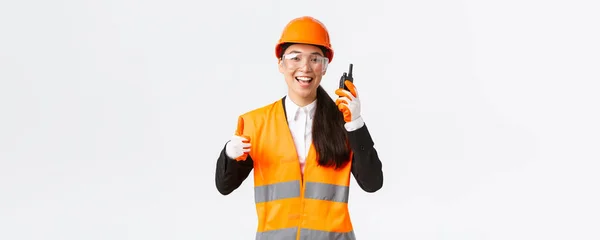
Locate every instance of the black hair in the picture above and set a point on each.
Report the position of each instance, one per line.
(329, 136)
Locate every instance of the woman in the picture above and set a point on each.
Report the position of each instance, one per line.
(302, 147)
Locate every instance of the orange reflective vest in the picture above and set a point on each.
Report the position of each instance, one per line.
(289, 205)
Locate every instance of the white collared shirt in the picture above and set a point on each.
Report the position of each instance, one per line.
(300, 121)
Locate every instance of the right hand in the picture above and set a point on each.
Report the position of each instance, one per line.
(237, 148)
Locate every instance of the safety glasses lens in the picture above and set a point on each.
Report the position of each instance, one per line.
(313, 61)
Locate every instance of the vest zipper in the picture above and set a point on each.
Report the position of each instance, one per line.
(302, 186)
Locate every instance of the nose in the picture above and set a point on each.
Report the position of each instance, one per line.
(305, 67)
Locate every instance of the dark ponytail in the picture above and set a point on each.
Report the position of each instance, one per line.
(328, 133)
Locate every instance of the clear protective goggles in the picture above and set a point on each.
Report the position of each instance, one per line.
(293, 61)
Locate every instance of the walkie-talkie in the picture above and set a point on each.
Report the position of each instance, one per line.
(346, 76)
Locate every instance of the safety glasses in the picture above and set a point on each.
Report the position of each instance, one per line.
(293, 61)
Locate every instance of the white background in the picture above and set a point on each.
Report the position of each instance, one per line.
(112, 115)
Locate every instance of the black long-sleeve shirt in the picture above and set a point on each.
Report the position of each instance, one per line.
(366, 165)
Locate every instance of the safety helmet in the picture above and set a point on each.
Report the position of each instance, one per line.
(306, 30)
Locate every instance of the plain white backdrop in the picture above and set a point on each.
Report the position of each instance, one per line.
(485, 115)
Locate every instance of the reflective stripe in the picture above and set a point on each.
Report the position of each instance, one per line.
(305, 234)
(309, 234)
(277, 191)
(313, 190)
(286, 233)
(329, 192)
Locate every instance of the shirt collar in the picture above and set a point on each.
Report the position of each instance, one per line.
(293, 109)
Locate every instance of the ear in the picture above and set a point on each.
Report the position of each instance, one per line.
(281, 70)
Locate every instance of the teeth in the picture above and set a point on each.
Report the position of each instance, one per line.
(306, 79)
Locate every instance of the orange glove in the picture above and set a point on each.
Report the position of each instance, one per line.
(238, 147)
(348, 102)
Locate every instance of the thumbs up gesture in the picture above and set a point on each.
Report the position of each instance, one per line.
(238, 147)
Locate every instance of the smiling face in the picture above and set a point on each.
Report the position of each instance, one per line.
(303, 66)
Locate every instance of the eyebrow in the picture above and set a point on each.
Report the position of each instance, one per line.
(318, 53)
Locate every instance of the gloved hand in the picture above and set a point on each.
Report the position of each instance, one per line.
(238, 147)
(348, 102)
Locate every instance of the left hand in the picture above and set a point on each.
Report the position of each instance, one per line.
(348, 102)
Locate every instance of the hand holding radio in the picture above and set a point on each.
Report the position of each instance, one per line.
(348, 102)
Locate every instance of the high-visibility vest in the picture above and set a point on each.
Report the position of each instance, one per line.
(289, 205)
